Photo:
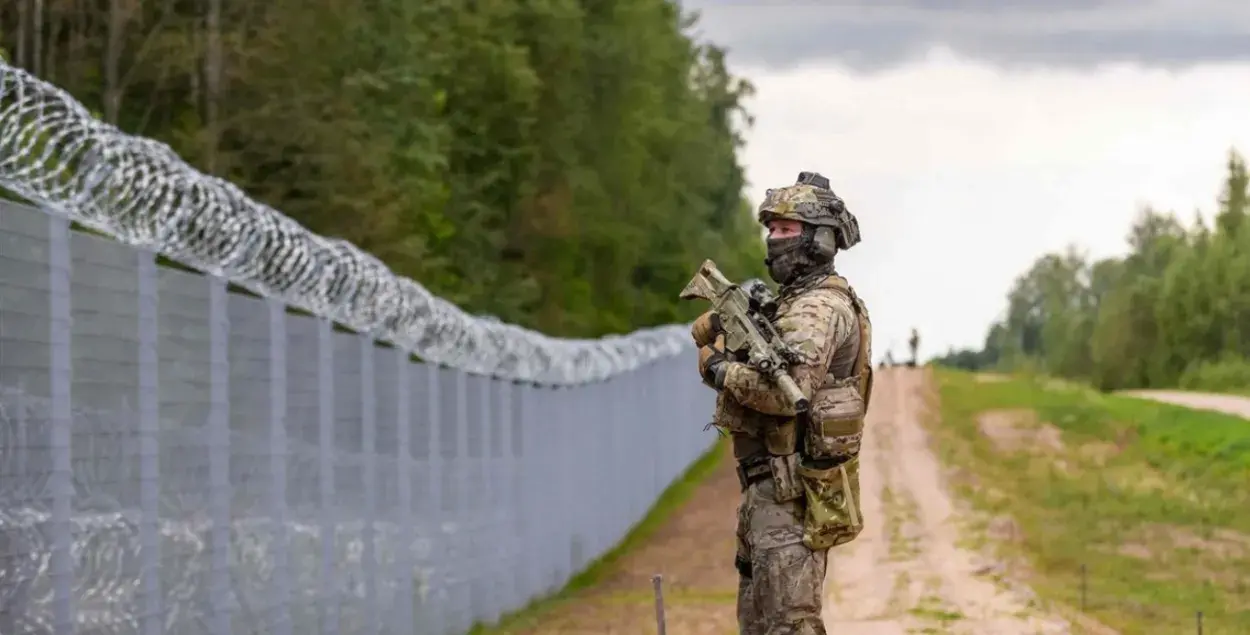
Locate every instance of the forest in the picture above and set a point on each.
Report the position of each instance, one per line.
(1173, 312)
(559, 164)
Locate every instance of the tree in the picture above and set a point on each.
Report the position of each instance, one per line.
(562, 164)
(1175, 310)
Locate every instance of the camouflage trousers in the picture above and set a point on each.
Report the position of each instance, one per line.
(783, 593)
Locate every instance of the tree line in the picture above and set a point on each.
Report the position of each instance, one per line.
(559, 164)
(1174, 311)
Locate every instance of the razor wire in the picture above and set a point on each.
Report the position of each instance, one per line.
(107, 544)
(140, 192)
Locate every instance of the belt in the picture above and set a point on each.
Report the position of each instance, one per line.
(753, 471)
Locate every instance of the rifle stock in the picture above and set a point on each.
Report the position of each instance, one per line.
(707, 284)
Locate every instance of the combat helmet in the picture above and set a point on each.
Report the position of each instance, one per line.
(811, 202)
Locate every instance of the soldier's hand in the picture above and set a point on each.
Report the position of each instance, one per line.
(706, 327)
(712, 363)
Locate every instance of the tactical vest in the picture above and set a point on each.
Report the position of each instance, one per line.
(838, 405)
(829, 466)
(825, 474)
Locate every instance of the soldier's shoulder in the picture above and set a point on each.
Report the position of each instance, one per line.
(853, 300)
(825, 301)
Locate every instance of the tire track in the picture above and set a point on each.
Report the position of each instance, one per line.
(906, 572)
(1227, 404)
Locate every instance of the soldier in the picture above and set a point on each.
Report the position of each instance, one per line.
(798, 471)
(914, 344)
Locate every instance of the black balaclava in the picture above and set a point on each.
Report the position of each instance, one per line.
(793, 258)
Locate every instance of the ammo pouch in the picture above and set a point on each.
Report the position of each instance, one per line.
(830, 474)
(782, 439)
(832, 516)
(787, 485)
(836, 424)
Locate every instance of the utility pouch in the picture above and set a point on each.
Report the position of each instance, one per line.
(787, 483)
(832, 516)
(837, 424)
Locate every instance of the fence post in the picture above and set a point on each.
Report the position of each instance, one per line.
(465, 581)
(149, 442)
(562, 400)
(558, 530)
(616, 487)
(657, 582)
(593, 421)
(219, 453)
(508, 492)
(582, 480)
(490, 585)
(368, 454)
(281, 602)
(325, 442)
(527, 547)
(60, 382)
(437, 621)
(404, 595)
(621, 487)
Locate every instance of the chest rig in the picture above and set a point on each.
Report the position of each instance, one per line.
(832, 428)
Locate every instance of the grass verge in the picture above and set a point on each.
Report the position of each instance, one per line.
(1150, 501)
(677, 494)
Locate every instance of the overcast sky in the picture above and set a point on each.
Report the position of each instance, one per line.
(970, 137)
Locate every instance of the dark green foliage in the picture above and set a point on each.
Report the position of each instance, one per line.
(560, 164)
(1174, 312)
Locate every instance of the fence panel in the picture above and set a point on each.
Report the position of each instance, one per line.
(178, 458)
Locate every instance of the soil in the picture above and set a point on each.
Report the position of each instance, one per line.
(1227, 404)
(905, 574)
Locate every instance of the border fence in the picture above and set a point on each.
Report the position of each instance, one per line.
(177, 457)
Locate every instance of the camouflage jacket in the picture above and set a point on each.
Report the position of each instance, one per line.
(821, 324)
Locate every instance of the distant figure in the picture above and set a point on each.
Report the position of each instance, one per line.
(914, 344)
(800, 481)
(889, 359)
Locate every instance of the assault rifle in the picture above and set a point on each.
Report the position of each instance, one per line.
(744, 311)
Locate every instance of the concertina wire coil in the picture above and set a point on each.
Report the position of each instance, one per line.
(54, 153)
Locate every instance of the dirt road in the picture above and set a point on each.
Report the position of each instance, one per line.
(1227, 404)
(905, 574)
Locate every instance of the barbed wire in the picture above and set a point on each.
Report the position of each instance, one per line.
(138, 191)
(107, 543)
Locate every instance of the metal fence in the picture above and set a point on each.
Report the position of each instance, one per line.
(178, 458)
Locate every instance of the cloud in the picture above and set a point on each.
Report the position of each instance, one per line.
(871, 36)
(962, 173)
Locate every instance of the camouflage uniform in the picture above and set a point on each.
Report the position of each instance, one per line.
(799, 474)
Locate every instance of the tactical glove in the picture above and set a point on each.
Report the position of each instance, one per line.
(706, 327)
(712, 363)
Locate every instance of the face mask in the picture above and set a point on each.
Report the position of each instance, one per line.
(786, 256)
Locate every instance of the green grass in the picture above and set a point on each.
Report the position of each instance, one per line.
(1139, 496)
(677, 494)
